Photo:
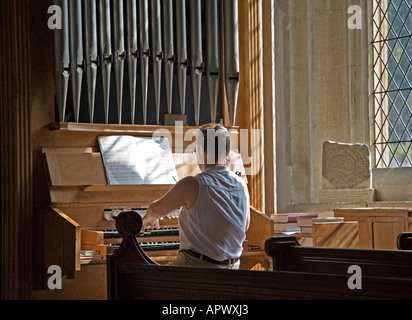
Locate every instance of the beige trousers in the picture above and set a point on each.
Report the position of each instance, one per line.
(186, 260)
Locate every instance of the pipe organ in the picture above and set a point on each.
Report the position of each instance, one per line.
(107, 48)
(77, 230)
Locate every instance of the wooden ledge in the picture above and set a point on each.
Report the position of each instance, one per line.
(120, 128)
(114, 128)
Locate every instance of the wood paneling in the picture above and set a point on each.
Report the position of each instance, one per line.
(261, 227)
(250, 109)
(268, 106)
(67, 229)
(336, 234)
(16, 163)
(378, 227)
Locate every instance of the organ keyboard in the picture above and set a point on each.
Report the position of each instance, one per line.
(163, 242)
(154, 235)
(160, 241)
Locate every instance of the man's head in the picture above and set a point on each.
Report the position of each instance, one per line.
(213, 145)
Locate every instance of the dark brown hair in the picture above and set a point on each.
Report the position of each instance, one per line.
(219, 134)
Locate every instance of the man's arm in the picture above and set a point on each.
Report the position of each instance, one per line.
(247, 220)
(183, 193)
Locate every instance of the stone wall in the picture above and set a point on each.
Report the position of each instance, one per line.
(321, 91)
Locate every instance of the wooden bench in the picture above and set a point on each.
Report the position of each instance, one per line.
(289, 255)
(131, 274)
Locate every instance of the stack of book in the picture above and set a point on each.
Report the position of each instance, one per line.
(288, 222)
(90, 255)
(306, 224)
(92, 244)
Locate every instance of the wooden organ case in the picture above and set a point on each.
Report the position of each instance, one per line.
(80, 198)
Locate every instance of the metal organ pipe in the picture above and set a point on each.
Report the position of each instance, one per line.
(76, 54)
(119, 53)
(106, 53)
(132, 54)
(231, 51)
(212, 69)
(169, 53)
(61, 59)
(196, 66)
(182, 62)
(98, 35)
(144, 52)
(92, 58)
(157, 53)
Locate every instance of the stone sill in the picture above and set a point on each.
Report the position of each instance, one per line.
(326, 209)
(392, 184)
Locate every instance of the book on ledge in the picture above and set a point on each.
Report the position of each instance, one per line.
(305, 221)
(287, 226)
(90, 255)
(291, 217)
(130, 160)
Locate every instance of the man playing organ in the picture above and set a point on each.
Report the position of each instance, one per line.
(214, 204)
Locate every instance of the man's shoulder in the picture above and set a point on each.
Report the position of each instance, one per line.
(189, 181)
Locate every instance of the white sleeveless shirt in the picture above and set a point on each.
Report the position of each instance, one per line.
(215, 225)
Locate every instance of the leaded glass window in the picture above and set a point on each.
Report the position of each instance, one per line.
(392, 81)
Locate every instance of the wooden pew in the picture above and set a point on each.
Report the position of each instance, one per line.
(404, 241)
(131, 275)
(289, 255)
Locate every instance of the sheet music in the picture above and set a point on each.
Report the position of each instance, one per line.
(132, 160)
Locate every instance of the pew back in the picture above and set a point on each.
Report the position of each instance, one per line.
(289, 255)
(132, 275)
(151, 282)
(404, 241)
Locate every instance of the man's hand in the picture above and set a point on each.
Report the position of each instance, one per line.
(183, 193)
(153, 223)
(150, 219)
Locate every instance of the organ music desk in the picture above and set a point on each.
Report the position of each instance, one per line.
(80, 197)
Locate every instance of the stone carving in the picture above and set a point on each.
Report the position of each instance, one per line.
(346, 166)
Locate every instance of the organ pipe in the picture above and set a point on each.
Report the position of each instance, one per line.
(132, 54)
(144, 52)
(76, 54)
(182, 60)
(157, 53)
(92, 58)
(231, 60)
(196, 65)
(106, 53)
(61, 59)
(119, 53)
(100, 36)
(169, 53)
(212, 55)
